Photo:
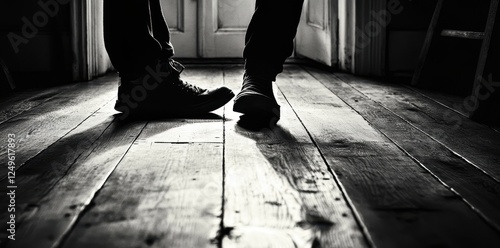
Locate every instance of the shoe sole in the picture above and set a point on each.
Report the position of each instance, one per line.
(225, 95)
(255, 105)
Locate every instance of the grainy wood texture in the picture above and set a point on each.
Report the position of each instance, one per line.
(17, 103)
(477, 188)
(22, 101)
(161, 195)
(167, 190)
(38, 128)
(453, 102)
(278, 190)
(475, 142)
(401, 204)
(56, 212)
(51, 209)
(456, 103)
(352, 163)
(41, 173)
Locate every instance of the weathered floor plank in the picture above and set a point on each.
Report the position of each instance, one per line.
(449, 101)
(16, 103)
(36, 129)
(342, 169)
(458, 104)
(401, 204)
(167, 191)
(56, 212)
(477, 188)
(278, 190)
(475, 142)
(49, 210)
(161, 195)
(40, 174)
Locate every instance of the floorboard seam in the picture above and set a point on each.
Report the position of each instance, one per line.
(74, 161)
(59, 139)
(435, 100)
(14, 116)
(350, 204)
(407, 122)
(446, 106)
(29, 99)
(422, 131)
(60, 243)
(481, 215)
(221, 233)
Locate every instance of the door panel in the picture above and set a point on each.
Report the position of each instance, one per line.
(317, 36)
(181, 16)
(223, 27)
(233, 14)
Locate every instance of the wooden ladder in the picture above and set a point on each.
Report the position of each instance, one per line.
(5, 76)
(437, 30)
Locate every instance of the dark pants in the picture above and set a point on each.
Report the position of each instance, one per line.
(136, 35)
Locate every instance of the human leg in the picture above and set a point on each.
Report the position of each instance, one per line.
(128, 36)
(269, 41)
(160, 29)
(269, 37)
(138, 43)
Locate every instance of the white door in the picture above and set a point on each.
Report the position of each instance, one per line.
(208, 28)
(181, 16)
(223, 27)
(317, 33)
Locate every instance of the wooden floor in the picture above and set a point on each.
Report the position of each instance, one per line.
(352, 163)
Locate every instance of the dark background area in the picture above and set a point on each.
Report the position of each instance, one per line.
(46, 58)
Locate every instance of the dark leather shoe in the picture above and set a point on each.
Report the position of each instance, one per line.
(256, 98)
(162, 92)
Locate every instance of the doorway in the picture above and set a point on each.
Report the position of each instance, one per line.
(206, 29)
(216, 28)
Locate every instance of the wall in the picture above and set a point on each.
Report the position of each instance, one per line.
(363, 27)
(405, 36)
(90, 58)
(35, 41)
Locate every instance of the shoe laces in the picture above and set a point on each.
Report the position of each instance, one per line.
(189, 88)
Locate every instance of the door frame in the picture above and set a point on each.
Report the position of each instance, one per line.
(362, 37)
(90, 58)
(310, 33)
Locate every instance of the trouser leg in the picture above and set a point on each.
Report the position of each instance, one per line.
(130, 36)
(269, 37)
(160, 29)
